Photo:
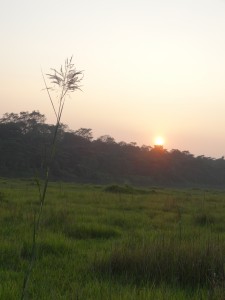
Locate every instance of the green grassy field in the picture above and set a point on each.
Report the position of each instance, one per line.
(113, 243)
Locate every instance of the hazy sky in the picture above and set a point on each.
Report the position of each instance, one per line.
(152, 67)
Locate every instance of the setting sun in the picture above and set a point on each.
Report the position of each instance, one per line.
(159, 141)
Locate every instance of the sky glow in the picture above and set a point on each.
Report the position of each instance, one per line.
(159, 141)
(150, 67)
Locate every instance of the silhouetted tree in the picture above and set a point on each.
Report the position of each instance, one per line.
(24, 147)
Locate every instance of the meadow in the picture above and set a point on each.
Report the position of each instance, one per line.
(113, 242)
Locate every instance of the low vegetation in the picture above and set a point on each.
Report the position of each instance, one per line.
(113, 242)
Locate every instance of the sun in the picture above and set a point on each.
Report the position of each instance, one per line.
(159, 141)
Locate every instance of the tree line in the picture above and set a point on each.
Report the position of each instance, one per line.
(25, 140)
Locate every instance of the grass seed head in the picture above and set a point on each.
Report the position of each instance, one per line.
(67, 78)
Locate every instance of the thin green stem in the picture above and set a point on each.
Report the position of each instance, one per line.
(47, 89)
(42, 200)
(31, 264)
(65, 88)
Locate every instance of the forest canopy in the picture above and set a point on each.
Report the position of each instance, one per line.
(25, 140)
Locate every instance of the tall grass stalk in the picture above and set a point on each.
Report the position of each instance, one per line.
(66, 81)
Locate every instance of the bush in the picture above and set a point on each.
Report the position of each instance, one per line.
(126, 189)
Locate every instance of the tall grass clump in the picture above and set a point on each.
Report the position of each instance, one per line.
(64, 81)
(166, 260)
(203, 218)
